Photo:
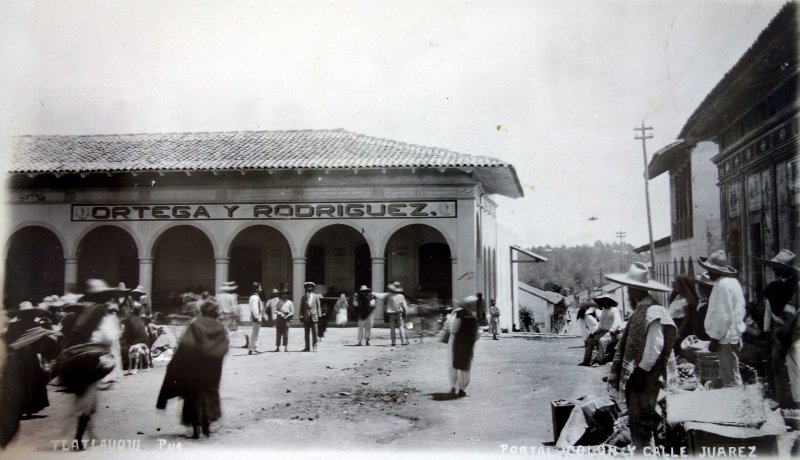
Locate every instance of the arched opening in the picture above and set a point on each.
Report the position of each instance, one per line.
(418, 256)
(183, 262)
(260, 253)
(108, 253)
(338, 260)
(34, 266)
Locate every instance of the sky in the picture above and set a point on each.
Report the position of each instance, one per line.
(553, 87)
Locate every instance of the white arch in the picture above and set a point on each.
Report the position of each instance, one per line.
(393, 230)
(125, 228)
(226, 245)
(37, 223)
(209, 236)
(300, 251)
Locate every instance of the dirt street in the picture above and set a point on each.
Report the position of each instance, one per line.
(344, 397)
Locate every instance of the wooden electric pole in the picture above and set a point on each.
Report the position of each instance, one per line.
(643, 138)
(620, 235)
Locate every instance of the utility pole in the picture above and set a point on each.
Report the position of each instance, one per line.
(620, 235)
(644, 136)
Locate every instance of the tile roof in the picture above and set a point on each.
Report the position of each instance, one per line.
(241, 150)
(770, 61)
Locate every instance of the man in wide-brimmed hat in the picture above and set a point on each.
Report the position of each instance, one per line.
(724, 321)
(139, 296)
(608, 328)
(364, 305)
(396, 309)
(778, 294)
(310, 312)
(640, 362)
(283, 311)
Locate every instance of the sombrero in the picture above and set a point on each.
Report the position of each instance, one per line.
(364, 288)
(396, 287)
(309, 283)
(783, 261)
(228, 286)
(717, 262)
(638, 276)
(98, 290)
(139, 290)
(605, 299)
(705, 280)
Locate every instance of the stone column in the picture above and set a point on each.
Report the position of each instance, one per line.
(378, 284)
(221, 270)
(146, 275)
(454, 277)
(71, 275)
(298, 278)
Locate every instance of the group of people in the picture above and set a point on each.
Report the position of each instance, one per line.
(281, 310)
(711, 308)
(78, 341)
(83, 337)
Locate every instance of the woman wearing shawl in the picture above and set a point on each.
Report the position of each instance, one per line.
(195, 371)
(463, 335)
(684, 305)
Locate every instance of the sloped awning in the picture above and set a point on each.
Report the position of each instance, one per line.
(528, 256)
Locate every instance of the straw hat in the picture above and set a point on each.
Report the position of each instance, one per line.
(364, 288)
(25, 305)
(122, 288)
(717, 262)
(705, 280)
(783, 261)
(396, 287)
(98, 290)
(139, 290)
(228, 286)
(638, 276)
(309, 283)
(604, 300)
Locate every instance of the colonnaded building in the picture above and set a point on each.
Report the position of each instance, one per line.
(182, 212)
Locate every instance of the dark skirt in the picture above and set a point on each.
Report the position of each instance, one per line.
(464, 343)
(201, 408)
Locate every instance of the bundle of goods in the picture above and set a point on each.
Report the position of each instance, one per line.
(687, 380)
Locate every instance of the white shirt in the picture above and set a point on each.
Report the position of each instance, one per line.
(255, 307)
(610, 319)
(725, 317)
(653, 345)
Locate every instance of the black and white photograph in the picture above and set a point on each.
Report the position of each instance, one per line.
(399, 229)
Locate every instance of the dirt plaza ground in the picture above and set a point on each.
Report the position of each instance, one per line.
(380, 400)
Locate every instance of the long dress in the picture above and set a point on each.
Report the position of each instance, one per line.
(341, 312)
(461, 347)
(195, 372)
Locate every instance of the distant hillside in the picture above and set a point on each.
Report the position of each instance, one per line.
(576, 268)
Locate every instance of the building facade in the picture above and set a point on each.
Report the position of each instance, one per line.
(733, 172)
(188, 211)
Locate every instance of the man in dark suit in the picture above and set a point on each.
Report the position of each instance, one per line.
(310, 312)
